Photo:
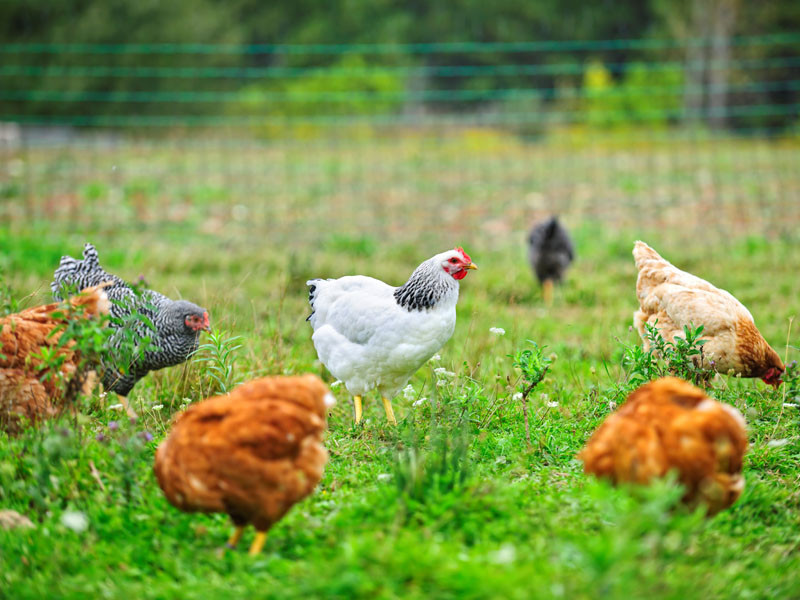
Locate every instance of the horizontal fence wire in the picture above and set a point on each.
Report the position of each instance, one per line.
(440, 48)
(403, 141)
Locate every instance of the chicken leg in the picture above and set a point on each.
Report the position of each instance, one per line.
(547, 291)
(357, 405)
(235, 537)
(258, 543)
(387, 406)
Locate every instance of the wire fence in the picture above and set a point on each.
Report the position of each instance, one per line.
(404, 140)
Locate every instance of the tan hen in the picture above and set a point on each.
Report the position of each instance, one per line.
(671, 299)
(667, 425)
(251, 454)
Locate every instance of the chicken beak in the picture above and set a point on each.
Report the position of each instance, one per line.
(206, 322)
(471, 267)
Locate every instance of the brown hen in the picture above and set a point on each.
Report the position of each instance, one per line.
(671, 299)
(28, 387)
(667, 425)
(251, 454)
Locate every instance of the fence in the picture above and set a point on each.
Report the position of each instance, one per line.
(404, 140)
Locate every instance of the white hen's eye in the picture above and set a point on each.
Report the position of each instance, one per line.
(453, 261)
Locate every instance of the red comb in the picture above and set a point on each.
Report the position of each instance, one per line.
(464, 254)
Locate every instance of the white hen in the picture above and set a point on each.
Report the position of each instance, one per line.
(371, 335)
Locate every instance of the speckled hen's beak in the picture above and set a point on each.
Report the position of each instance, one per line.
(206, 322)
(472, 266)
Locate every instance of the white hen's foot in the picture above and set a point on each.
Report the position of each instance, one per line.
(387, 406)
(357, 405)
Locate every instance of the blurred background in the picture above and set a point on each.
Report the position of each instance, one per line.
(297, 120)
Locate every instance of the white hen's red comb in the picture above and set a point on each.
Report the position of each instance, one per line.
(464, 254)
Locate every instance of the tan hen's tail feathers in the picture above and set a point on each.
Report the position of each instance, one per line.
(642, 253)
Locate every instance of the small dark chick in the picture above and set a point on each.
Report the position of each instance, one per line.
(176, 323)
(550, 252)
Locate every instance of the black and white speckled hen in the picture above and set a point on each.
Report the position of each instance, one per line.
(176, 323)
(550, 252)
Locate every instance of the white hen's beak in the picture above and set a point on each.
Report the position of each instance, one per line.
(471, 267)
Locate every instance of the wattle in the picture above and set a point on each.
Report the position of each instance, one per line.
(460, 275)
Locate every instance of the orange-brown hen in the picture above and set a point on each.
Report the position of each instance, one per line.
(28, 387)
(667, 425)
(251, 454)
(671, 299)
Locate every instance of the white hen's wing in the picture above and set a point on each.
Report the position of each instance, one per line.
(324, 294)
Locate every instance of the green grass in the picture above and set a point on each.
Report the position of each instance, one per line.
(495, 520)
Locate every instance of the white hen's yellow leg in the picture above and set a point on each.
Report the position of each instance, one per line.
(387, 406)
(235, 537)
(258, 543)
(357, 405)
(547, 291)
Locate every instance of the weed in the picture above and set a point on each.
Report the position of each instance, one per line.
(534, 366)
(682, 357)
(218, 360)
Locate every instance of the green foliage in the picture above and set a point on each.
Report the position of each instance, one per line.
(533, 365)
(345, 88)
(646, 97)
(217, 358)
(8, 303)
(434, 476)
(681, 357)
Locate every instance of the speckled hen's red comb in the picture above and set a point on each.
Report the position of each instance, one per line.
(464, 254)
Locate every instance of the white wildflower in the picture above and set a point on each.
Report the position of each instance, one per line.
(384, 476)
(435, 358)
(612, 405)
(420, 401)
(115, 407)
(552, 404)
(408, 392)
(777, 443)
(336, 384)
(516, 397)
(441, 383)
(505, 555)
(497, 330)
(75, 520)
(789, 405)
(443, 371)
(158, 406)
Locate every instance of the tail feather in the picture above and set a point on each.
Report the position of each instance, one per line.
(643, 253)
(312, 295)
(73, 274)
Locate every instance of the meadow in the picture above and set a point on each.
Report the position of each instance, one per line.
(453, 503)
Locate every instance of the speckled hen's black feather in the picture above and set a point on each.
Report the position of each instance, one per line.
(172, 341)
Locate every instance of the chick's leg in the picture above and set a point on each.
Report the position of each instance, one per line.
(258, 543)
(357, 404)
(387, 406)
(547, 291)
